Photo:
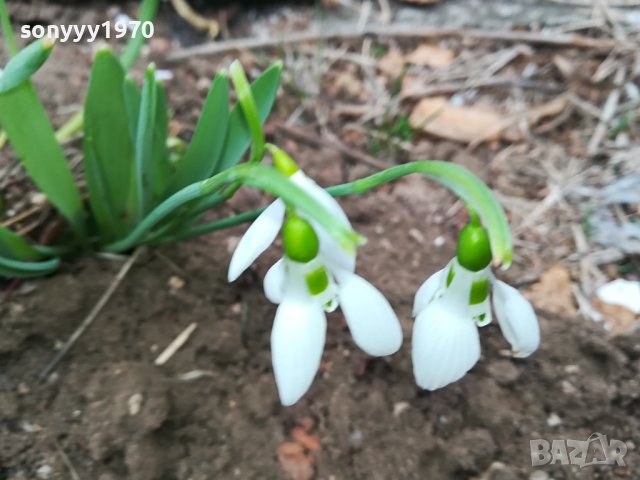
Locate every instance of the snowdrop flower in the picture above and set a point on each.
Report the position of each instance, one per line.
(314, 276)
(451, 305)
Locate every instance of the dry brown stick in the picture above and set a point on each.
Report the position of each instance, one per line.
(495, 82)
(398, 31)
(66, 461)
(92, 315)
(316, 141)
(22, 216)
(608, 112)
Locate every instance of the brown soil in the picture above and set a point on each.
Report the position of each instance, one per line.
(109, 414)
(371, 420)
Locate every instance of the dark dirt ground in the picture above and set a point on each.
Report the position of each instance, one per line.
(112, 415)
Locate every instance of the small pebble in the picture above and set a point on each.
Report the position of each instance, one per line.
(135, 404)
(356, 438)
(439, 241)
(44, 471)
(176, 283)
(554, 420)
(568, 388)
(399, 408)
(539, 475)
(416, 235)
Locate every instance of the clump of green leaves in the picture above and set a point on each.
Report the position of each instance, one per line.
(146, 188)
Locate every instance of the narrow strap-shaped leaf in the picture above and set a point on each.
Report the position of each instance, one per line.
(160, 154)
(15, 247)
(473, 191)
(26, 123)
(17, 269)
(131, 52)
(132, 105)
(264, 90)
(7, 31)
(27, 62)
(208, 139)
(108, 149)
(144, 146)
(259, 176)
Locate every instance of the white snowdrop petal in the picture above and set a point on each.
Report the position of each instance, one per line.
(517, 319)
(274, 282)
(428, 290)
(445, 346)
(297, 341)
(257, 239)
(374, 326)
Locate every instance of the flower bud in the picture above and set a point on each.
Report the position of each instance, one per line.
(300, 240)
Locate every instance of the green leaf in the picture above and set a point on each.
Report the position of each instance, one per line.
(461, 182)
(144, 146)
(15, 247)
(131, 52)
(257, 176)
(160, 153)
(208, 139)
(26, 62)
(107, 161)
(7, 31)
(132, 105)
(249, 110)
(25, 121)
(17, 269)
(264, 90)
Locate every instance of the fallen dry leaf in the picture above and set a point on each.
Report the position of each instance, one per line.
(553, 292)
(430, 56)
(549, 109)
(294, 462)
(392, 63)
(310, 442)
(475, 124)
(438, 117)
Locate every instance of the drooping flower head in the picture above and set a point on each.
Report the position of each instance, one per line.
(314, 276)
(451, 305)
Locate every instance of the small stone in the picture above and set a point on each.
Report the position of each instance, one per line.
(570, 369)
(568, 388)
(44, 471)
(439, 241)
(135, 404)
(356, 438)
(416, 235)
(39, 199)
(539, 475)
(176, 283)
(236, 308)
(23, 388)
(399, 408)
(554, 420)
(504, 372)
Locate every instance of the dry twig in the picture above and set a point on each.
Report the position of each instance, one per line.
(92, 315)
(400, 31)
